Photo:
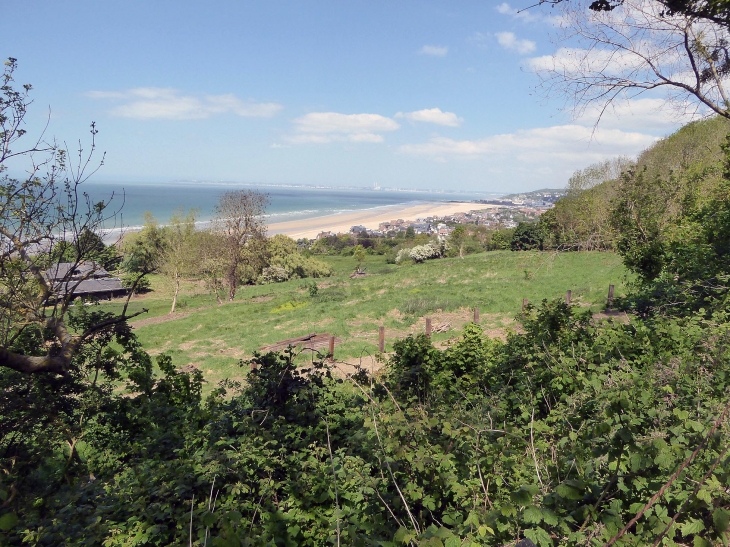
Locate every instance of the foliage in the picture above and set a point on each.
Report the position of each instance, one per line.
(421, 253)
(561, 433)
(527, 237)
(288, 262)
(274, 274)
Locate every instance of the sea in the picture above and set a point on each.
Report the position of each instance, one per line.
(131, 200)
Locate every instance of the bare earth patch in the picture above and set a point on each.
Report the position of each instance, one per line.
(159, 319)
(259, 299)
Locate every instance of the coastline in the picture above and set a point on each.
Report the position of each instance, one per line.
(370, 218)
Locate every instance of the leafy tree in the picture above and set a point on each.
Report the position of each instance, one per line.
(527, 236)
(36, 214)
(143, 250)
(359, 254)
(581, 220)
(179, 258)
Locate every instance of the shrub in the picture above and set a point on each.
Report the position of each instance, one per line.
(421, 253)
(273, 274)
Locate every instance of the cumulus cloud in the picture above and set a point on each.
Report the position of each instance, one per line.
(510, 42)
(432, 115)
(434, 51)
(146, 103)
(324, 127)
(562, 145)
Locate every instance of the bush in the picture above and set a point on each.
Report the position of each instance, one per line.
(273, 274)
(527, 237)
(421, 253)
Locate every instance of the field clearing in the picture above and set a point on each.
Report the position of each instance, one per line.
(215, 337)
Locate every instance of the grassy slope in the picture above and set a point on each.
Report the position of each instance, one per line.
(214, 337)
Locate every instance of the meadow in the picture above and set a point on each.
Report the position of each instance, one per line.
(215, 337)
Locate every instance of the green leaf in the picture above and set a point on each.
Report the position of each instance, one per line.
(569, 492)
(8, 521)
(721, 519)
(484, 530)
(532, 515)
(539, 537)
(692, 527)
(403, 536)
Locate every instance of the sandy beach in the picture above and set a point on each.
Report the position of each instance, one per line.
(370, 218)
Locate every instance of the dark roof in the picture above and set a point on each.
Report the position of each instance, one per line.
(71, 270)
(91, 286)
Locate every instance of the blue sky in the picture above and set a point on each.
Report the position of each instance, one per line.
(404, 94)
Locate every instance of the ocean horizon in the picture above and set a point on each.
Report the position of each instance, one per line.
(132, 199)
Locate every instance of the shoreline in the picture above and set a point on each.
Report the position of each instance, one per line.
(370, 218)
(342, 222)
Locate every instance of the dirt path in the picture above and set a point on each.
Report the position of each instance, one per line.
(159, 319)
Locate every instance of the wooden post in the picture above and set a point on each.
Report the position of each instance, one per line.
(476, 315)
(381, 339)
(332, 346)
(428, 327)
(568, 296)
(609, 302)
(525, 302)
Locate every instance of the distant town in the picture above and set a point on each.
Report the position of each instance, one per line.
(510, 210)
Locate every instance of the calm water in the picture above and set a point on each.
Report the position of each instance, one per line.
(285, 203)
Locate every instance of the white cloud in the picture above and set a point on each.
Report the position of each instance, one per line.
(432, 115)
(166, 103)
(571, 60)
(557, 147)
(532, 14)
(510, 42)
(324, 127)
(435, 51)
(527, 15)
(651, 114)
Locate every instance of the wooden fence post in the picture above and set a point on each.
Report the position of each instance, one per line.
(428, 327)
(568, 296)
(609, 302)
(332, 347)
(525, 302)
(476, 315)
(381, 339)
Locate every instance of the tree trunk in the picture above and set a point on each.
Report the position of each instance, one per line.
(232, 278)
(177, 290)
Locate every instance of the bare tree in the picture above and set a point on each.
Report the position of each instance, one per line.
(240, 219)
(638, 47)
(40, 212)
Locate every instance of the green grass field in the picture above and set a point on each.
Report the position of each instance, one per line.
(214, 337)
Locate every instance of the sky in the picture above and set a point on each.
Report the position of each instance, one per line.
(408, 94)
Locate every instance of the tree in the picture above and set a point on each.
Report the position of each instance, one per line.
(39, 212)
(240, 219)
(638, 46)
(179, 258)
(359, 254)
(458, 238)
(581, 219)
(211, 252)
(527, 237)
